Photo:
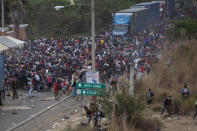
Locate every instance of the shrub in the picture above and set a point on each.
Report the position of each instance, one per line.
(123, 105)
(150, 124)
(130, 106)
(188, 105)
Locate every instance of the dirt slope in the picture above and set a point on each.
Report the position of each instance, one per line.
(183, 123)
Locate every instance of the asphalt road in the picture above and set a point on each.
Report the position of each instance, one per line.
(15, 111)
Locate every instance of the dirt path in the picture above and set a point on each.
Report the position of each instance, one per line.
(184, 123)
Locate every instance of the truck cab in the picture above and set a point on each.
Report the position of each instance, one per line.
(121, 25)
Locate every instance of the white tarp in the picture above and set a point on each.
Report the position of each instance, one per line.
(2, 47)
(10, 42)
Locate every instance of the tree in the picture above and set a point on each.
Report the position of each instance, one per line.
(17, 13)
(45, 21)
(185, 29)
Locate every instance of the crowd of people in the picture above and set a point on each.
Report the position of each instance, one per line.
(46, 63)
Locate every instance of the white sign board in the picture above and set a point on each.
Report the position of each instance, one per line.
(92, 77)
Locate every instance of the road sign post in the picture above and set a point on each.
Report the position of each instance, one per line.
(89, 92)
(90, 89)
(91, 86)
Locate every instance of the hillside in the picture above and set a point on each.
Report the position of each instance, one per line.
(176, 67)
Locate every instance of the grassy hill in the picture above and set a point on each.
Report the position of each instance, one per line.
(176, 67)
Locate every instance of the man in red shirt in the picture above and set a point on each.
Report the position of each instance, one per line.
(56, 91)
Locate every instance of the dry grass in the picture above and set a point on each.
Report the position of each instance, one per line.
(116, 125)
(169, 80)
(147, 124)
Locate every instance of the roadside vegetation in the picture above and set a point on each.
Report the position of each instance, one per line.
(176, 67)
(183, 30)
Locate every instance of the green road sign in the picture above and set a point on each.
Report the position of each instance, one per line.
(89, 92)
(91, 85)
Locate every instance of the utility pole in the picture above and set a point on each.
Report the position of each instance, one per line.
(2, 15)
(93, 41)
(93, 34)
(132, 73)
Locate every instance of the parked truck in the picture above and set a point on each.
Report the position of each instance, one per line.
(154, 9)
(127, 22)
(2, 85)
(167, 7)
(139, 16)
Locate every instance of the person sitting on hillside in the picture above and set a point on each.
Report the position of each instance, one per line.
(149, 96)
(88, 114)
(185, 91)
(166, 105)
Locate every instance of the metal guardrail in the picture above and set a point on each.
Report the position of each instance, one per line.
(36, 115)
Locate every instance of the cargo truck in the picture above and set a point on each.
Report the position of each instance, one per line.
(140, 16)
(2, 85)
(154, 10)
(127, 22)
(167, 7)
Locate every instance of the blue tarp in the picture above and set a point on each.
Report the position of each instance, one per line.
(122, 18)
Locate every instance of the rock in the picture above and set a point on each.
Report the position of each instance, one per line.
(14, 113)
(63, 119)
(84, 124)
(66, 117)
(179, 118)
(55, 124)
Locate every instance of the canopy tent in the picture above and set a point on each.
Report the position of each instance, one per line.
(7, 42)
(2, 47)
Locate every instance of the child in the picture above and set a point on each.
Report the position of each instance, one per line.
(30, 88)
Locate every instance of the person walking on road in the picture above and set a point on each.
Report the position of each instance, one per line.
(8, 82)
(30, 88)
(166, 105)
(14, 88)
(74, 89)
(49, 82)
(56, 91)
